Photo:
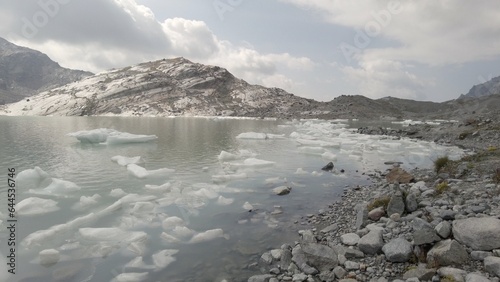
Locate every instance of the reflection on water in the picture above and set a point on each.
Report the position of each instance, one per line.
(191, 146)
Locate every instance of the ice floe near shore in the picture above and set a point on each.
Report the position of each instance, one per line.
(36, 206)
(37, 181)
(140, 172)
(110, 136)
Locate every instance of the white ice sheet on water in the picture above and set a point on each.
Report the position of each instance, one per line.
(110, 136)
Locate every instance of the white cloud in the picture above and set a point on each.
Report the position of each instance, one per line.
(101, 34)
(381, 78)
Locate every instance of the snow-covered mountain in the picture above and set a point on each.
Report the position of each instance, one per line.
(24, 72)
(163, 88)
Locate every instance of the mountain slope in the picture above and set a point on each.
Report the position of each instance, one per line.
(490, 87)
(24, 72)
(163, 88)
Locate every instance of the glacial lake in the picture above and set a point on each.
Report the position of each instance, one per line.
(204, 221)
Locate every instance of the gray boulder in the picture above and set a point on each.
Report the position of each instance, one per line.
(482, 234)
(476, 277)
(421, 272)
(443, 229)
(411, 203)
(425, 235)
(492, 265)
(396, 204)
(397, 250)
(479, 255)
(260, 278)
(447, 252)
(320, 256)
(282, 190)
(376, 213)
(350, 239)
(361, 216)
(458, 275)
(371, 243)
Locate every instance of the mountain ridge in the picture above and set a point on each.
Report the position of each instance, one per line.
(179, 87)
(25, 72)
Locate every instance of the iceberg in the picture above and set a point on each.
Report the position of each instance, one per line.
(224, 201)
(111, 234)
(163, 258)
(252, 135)
(49, 257)
(131, 277)
(207, 236)
(110, 136)
(124, 161)
(140, 172)
(37, 181)
(35, 206)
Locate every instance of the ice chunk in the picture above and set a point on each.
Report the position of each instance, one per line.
(182, 232)
(311, 150)
(163, 258)
(111, 234)
(124, 138)
(133, 198)
(205, 193)
(117, 193)
(49, 257)
(224, 201)
(228, 177)
(124, 161)
(301, 171)
(169, 238)
(207, 236)
(329, 156)
(34, 205)
(140, 172)
(226, 156)
(275, 180)
(138, 262)
(110, 136)
(86, 201)
(172, 222)
(257, 163)
(252, 135)
(99, 135)
(131, 277)
(33, 178)
(247, 206)
(142, 208)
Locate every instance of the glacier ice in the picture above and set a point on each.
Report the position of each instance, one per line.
(49, 257)
(207, 236)
(111, 234)
(34, 206)
(117, 193)
(252, 135)
(224, 201)
(124, 161)
(163, 258)
(110, 136)
(131, 277)
(228, 177)
(140, 172)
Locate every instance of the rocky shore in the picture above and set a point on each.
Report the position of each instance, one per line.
(439, 224)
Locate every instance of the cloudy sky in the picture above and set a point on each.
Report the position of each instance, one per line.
(320, 49)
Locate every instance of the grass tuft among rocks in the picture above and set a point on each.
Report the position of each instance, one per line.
(440, 163)
(379, 202)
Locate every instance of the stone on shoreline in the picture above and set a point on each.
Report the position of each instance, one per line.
(492, 265)
(482, 234)
(371, 243)
(376, 213)
(476, 277)
(399, 176)
(443, 229)
(350, 239)
(421, 272)
(361, 215)
(397, 250)
(396, 204)
(260, 278)
(425, 235)
(447, 252)
(411, 203)
(330, 228)
(458, 275)
(320, 256)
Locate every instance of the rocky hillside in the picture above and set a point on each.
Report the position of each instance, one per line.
(491, 87)
(175, 87)
(25, 72)
(164, 88)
